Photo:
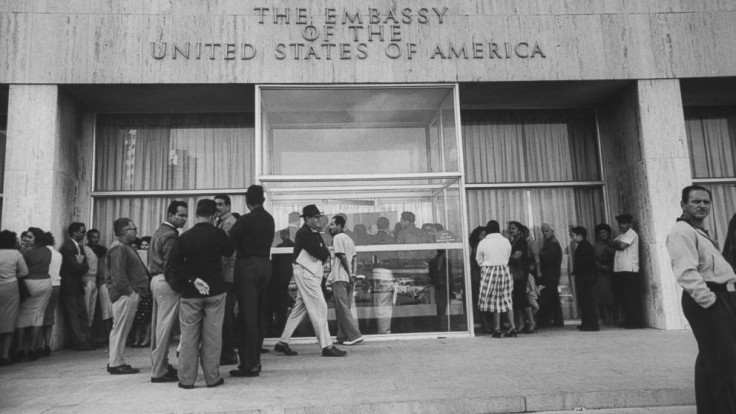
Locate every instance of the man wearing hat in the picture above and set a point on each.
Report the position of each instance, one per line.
(252, 235)
(310, 252)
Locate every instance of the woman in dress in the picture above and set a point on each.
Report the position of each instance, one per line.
(604, 253)
(12, 266)
(49, 317)
(496, 284)
(476, 236)
(519, 268)
(30, 315)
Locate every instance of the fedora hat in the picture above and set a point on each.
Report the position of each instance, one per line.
(310, 211)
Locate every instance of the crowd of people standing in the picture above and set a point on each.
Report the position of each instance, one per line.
(514, 276)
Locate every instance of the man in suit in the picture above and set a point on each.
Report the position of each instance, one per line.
(252, 236)
(74, 266)
(127, 281)
(164, 291)
(308, 272)
(225, 221)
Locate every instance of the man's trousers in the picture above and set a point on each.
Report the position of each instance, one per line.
(123, 314)
(75, 314)
(628, 289)
(228, 323)
(201, 338)
(309, 300)
(714, 329)
(164, 313)
(90, 297)
(251, 285)
(347, 327)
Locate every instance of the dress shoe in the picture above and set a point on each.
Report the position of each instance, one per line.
(19, 356)
(333, 351)
(32, 356)
(167, 377)
(511, 333)
(233, 360)
(186, 387)
(217, 384)
(240, 373)
(5, 362)
(46, 351)
(284, 348)
(354, 341)
(122, 370)
(171, 370)
(497, 334)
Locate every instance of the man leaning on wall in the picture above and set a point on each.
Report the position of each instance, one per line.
(708, 302)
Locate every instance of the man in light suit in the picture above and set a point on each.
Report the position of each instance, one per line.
(164, 290)
(74, 266)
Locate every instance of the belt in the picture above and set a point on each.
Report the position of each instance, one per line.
(722, 287)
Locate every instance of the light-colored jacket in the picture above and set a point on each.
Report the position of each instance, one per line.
(695, 260)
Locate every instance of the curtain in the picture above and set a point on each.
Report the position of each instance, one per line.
(711, 133)
(530, 146)
(147, 212)
(174, 152)
(168, 152)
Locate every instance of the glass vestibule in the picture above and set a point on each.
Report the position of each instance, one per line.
(386, 158)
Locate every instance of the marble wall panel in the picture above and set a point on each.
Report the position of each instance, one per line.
(111, 42)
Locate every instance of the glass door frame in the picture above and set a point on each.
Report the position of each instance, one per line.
(266, 179)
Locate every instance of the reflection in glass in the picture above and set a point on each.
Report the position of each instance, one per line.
(358, 131)
(402, 287)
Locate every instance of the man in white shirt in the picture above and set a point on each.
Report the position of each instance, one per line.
(626, 282)
(708, 302)
(342, 280)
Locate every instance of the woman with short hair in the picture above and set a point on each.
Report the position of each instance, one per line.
(12, 266)
(38, 282)
(496, 283)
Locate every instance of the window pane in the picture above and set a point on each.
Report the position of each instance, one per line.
(147, 212)
(530, 146)
(722, 209)
(174, 152)
(712, 139)
(560, 207)
(404, 286)
(358, 131)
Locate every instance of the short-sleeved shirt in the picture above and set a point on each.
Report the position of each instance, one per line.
(627, 260)
(12, 265)
(342, 243)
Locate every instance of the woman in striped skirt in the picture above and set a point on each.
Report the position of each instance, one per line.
(496, 284)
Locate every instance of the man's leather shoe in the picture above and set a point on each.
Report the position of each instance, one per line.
(240, 373)
(167, 377)
(333, 351)
(229, 361)
(171, 370)
(284, 348)
(122, 370)
(186, 387)
(265, 351)
(217, 384)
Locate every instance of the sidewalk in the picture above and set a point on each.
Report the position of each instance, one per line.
(554, 370)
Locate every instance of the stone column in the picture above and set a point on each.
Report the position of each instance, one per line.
(646, 163)
(42, 172)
